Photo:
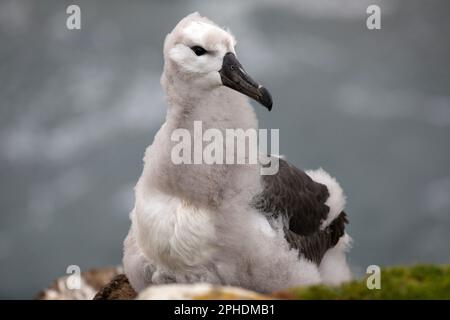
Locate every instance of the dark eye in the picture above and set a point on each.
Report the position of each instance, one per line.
(198, 50)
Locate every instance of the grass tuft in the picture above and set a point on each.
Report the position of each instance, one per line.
(412, 282)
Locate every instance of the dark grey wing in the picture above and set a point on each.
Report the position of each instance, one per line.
(314, 246)
(300, 201)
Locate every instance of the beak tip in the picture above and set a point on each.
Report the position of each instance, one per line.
(266, 98)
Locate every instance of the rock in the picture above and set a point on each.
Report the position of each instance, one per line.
(91, 282)
(198, 291)
(117, 289)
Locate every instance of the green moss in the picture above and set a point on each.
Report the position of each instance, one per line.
(416, 282)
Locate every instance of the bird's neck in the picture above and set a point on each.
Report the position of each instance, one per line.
(200, 183)
(219, 108)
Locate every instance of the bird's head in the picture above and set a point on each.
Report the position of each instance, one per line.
(199, 53)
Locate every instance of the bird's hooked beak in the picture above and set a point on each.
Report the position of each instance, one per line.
(234, 76)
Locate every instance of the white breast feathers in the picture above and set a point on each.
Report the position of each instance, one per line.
(173, 233)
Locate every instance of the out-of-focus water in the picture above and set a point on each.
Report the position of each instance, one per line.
(78, 108)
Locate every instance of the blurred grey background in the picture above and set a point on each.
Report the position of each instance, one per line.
(78, 108)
